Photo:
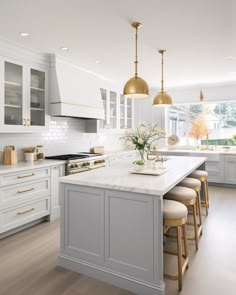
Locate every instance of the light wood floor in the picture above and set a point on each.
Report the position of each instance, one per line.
(28, 259)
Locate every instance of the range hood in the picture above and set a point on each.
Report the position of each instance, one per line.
(74, 92)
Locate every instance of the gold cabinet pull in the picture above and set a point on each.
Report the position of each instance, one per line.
(26, 211)
(24, 176)
(25, 191)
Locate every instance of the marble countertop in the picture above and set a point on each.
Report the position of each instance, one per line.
(118, 176)
(27, 166)
(225, 152)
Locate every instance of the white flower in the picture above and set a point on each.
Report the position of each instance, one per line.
(140, 141)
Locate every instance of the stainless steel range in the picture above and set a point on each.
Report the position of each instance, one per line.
(80, 162)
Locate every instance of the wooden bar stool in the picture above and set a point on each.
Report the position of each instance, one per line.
(188, 197)
(195, 184)
(175, 215)
(202, 176)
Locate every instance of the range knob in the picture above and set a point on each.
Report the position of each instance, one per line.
(86, 164)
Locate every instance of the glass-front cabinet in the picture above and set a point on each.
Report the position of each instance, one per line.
(37, 98)
(13, 94)
(24, 97)
(118, 111)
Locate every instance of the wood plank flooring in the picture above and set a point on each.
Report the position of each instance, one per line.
(28, 259)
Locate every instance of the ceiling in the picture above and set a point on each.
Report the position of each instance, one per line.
(198, 36)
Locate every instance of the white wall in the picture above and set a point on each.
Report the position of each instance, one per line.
(212, 93)
(65, 135)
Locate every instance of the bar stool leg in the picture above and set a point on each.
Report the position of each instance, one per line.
(185, 243)
(179, 244)
(207, 192)
(205, 203)
(195, 225)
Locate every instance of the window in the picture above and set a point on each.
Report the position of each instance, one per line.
(220, 118)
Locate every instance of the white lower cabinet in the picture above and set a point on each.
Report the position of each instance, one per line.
(15, 216)
(28, 195)
(221, 168)
(230, 169)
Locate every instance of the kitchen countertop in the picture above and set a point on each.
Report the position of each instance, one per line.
(118, 177)
(228, 152)
(27, 166)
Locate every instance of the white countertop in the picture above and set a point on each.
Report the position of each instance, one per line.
(27, 166)
(225, 152)
(118, 177)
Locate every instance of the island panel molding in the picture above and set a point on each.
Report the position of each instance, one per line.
(128, 237)
(85, 220)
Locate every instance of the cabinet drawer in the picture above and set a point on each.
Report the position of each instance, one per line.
(9, 195)
(23, 214)
(26, 175)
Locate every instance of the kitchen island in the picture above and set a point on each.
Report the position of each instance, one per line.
(111, 223)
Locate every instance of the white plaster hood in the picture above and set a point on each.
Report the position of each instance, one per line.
(74, 92)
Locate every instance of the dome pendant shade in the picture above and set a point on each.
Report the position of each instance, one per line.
(162, 98)
(136, 87)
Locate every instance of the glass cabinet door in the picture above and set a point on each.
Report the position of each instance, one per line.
(122, 112)
(103, 123)
(113, 109)
(13, 94)
(37, 98)
(129, 113)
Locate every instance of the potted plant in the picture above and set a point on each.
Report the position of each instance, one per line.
(142, 137)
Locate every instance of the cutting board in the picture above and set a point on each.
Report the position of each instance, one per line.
(10, 155)
(150, 171)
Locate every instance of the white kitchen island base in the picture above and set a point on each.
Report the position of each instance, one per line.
(113, 236)
(111, 224)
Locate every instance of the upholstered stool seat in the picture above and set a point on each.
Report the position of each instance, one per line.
(198, 174)
(202, 176)
(188, 197)
(175, 215)
(195, 185)
(174, 210)
(180, 193)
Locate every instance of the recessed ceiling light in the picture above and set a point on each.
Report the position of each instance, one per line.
(230, 57)
(24, 34)
(64, 48)
(98, 61)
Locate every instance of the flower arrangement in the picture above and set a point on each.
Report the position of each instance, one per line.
(143, 137)
(199, 128)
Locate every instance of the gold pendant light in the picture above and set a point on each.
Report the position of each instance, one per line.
(136, 87)
(162, 98)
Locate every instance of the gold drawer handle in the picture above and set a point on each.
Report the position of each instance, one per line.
(26, 211)
(24, 176)
(25, 191)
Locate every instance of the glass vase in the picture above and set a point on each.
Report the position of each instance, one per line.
(142, 155)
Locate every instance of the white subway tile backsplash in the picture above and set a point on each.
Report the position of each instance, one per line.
(65, 135)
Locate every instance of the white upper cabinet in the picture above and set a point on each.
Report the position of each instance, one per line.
(23, 91)
(118, 111)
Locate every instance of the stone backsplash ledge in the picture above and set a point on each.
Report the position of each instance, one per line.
(65, 135)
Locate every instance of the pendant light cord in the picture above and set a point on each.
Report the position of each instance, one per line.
(162, 69)
(136, 52)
